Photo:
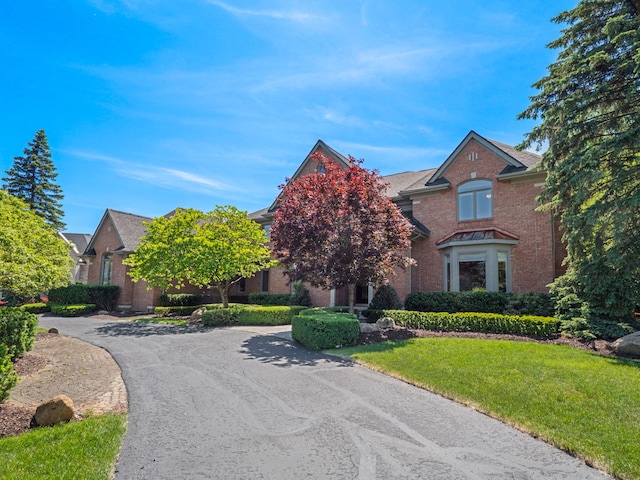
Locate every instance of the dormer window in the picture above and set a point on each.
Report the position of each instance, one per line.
(475, 200)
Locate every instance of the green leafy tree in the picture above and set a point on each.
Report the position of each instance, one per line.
(338, 228)
(589, 104)
(33, 258)
(32, 179)
(214, 249)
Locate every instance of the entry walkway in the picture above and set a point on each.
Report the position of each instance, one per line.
(236, 404)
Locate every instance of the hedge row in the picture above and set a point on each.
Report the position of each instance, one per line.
(250, 315)
(539, 304)
(299, 296)
(180, 311)
(322, 330)
(103, 296)
(180, 299)
(17, 330)
(476, 322)
(264, 298)
(36, 307)
(62, 310)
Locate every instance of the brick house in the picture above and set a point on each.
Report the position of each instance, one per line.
(476, 225)
(116, 237)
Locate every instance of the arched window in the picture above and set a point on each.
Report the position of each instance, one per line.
(475, 200)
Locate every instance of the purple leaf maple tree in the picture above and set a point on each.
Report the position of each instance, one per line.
(337, 228)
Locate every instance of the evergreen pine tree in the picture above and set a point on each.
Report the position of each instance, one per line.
(589, 106)
(32, 179)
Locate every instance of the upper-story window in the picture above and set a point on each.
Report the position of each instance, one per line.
(475, 200)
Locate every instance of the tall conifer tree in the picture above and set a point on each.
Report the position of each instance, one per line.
(589, 104)
(32, 179)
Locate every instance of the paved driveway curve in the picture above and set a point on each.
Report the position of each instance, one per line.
(234, 404)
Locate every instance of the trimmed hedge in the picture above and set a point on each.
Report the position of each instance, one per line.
(324, 310)
(264, 298)
(320, 331)
(17, 330)
(268, 315)
(539, 304)
(180, 311)
(8, 376)
(73, 294)
(299, 296)
(250, 315)
(476, 322)
(180, 299)
(219, 317)
(103, 296)
(72, 310)
(36, 307)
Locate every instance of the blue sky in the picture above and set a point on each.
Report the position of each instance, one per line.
(149, 105)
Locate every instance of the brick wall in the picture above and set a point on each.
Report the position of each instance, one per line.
(533, 259)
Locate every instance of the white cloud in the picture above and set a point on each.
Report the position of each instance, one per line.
(295, 16)
(163, 177)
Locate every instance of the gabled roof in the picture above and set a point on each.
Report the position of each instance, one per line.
(515, 160)
(79, 240)
(320, 145)
(129, 229)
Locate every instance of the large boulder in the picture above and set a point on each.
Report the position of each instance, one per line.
(628, 345)
(385, 322)
(56, 410)
(368, 328)
(197, 314)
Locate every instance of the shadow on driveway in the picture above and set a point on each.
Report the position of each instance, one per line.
(285, 353)
(146, 329)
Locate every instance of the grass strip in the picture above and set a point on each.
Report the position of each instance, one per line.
(86, 449)
(585, 404)
(166, 321)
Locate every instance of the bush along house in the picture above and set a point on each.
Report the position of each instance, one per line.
(476, 225)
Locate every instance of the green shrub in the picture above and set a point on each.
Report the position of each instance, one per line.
(372, 316)
(300, 295)
(36, 307)
(539, 304)
(17, 330)
(268, 315)
(385, 298)
(218, 316)
(103, 296)
(73, 294)
(324, 310)
(527, 303)
(62, 310)
(475, 322)
(8, 376)
(264, 298)
(321, 330)
(180, 299)
(175, 311)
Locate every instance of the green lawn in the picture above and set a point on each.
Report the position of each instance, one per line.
(167, 321)
(76, 450)
(586, 404)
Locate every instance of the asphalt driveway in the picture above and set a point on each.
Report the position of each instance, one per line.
(236, 404)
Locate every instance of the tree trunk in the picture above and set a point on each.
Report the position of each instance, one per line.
(352, 297)
(223, 288)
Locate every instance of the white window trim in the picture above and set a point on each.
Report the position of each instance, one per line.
(452, 252)
(474, 193)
